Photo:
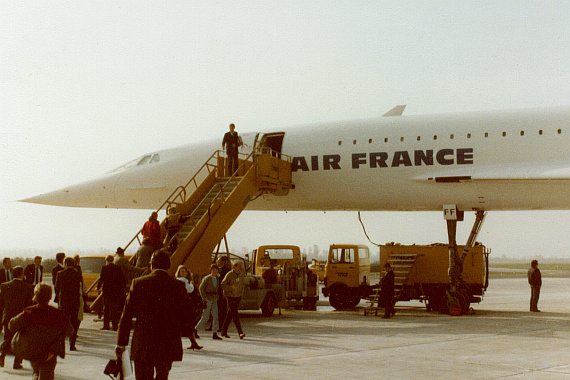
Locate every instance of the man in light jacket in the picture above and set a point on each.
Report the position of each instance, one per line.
(233, 285)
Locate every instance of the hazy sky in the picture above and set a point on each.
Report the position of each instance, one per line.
(88, 86)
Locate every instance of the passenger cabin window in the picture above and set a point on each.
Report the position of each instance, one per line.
(451, 136)
(401, 139)
(342, 255)
(540, 131)
(522, 133)
(560, 131)
(353, 142)
(155, 158)
(386, 140)
(486, 134)
(504, 134)
(469, 135)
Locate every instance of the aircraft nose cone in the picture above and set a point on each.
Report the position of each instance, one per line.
(98, 193)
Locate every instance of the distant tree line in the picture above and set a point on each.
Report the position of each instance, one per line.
(48, 264)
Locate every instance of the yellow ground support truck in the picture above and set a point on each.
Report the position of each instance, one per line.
(421, 273)
(347, 275)
(297, 281)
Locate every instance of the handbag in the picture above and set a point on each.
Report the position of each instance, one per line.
(114, 368)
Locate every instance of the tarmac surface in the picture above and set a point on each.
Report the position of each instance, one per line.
(502, 340)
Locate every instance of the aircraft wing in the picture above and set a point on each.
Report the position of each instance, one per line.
(531, 172)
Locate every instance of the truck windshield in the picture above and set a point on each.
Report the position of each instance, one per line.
(92, 264)
(342, 255)
(275, 254)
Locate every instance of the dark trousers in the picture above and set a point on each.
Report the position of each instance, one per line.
(45, 370)
(75, 323)
(534, 295)
(222, 311)
(6, 348)
(233, 307)
(389, 306)
(145, 370)
(232, 163)
(113, 308)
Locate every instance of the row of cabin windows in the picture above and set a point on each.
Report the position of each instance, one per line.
(452, 136)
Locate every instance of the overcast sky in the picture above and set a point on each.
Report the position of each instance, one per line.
(88, 86)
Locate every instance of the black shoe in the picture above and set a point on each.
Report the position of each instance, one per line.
(216, 337)
(242, 335)
(226, 336)
(386, 316)
(17, 366)
(2, 358)
(72, 348)
(195, 346)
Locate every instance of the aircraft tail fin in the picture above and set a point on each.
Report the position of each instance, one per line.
(396, 111)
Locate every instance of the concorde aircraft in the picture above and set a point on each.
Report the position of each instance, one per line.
(494, 160)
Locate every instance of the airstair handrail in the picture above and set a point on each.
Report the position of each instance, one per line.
(181, 190)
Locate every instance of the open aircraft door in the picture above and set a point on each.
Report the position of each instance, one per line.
(272, 142)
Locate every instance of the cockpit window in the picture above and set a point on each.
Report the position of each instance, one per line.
(144, 160)
(148, 159)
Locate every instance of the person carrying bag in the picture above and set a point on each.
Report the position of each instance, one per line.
(40, 333)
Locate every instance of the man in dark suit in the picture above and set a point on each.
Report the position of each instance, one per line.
(59, 257)
(231, 143)
(34, 272)
(113, 283)
(6, 271)
(15, 296)
(387, 286)
(69, 284)
(162, 308)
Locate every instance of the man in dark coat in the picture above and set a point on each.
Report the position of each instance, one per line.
(161, 307)
(6, 271)
(535, 281)
(231, 143)
(15, 296)
(113, 283)
(34, 272)
(59, 257)
(387, 287)
(69, 284)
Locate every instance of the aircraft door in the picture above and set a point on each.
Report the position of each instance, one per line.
(270, 143)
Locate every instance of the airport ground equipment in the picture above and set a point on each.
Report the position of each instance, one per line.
(422, 274)
(210, 202)
(318, 268)
(347, 275)
(298, 282)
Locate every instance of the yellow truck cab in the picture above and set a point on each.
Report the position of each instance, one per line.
(347, 275)
(298, 282)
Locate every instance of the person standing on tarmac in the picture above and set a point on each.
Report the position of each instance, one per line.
(387, 286)
(233, 285)
(535, 281)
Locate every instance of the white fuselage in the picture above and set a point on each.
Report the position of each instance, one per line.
(500, 160)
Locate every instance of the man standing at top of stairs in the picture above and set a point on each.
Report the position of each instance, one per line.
(230, 144)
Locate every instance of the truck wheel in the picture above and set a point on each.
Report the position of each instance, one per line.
(340, 297)
(268, 305)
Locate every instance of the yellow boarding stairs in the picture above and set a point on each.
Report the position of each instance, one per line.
(402, 265)
(210, 202)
